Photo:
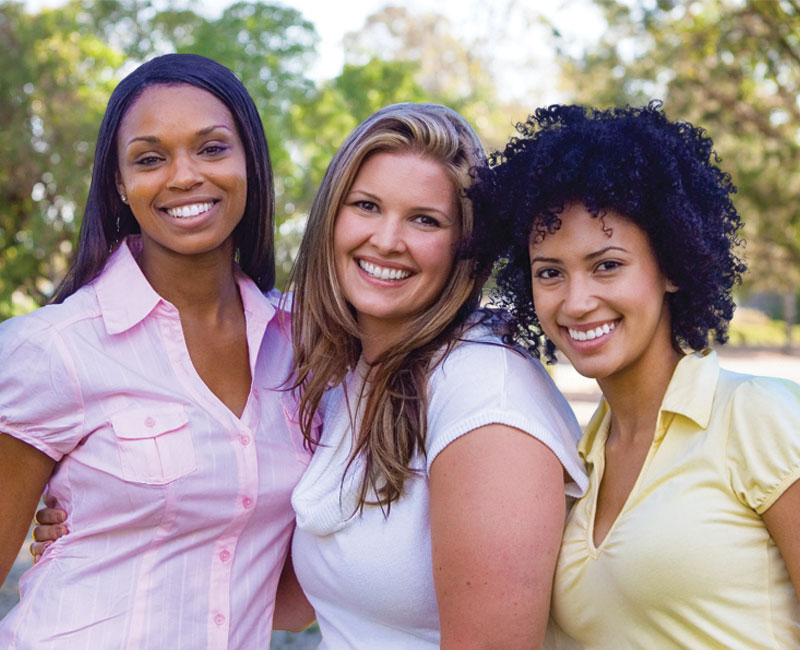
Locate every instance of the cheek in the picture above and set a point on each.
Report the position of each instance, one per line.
(340, 244)
(544, 305)
(238, 182)
(438, 256)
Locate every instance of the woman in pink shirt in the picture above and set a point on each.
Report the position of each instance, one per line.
(175, 468)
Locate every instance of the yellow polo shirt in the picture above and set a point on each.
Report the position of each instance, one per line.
(689, 563)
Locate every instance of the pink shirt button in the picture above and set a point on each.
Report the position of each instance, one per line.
(149, 422)
(244, 440)
(225, 556)
(219, 619)
(247, 502)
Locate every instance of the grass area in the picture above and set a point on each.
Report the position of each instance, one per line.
(751, 327)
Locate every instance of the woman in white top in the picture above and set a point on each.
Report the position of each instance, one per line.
(432, 510)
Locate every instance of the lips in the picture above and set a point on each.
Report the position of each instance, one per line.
(383, 272)
(593, 333)
(189, 210)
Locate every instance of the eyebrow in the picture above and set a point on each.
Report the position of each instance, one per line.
(590, 256)
(154, 140)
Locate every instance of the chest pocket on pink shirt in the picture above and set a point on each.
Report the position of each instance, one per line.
(155, 444)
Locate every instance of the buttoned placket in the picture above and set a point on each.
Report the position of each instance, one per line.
(241, 437)
(241, 432)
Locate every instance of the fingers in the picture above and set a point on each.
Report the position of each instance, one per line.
(48, 533)
(37, 548)
(49, 515)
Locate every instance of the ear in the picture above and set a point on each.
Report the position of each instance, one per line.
(671, 287)
(118, 181)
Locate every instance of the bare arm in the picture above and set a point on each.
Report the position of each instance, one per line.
(497, 515)
(782, 520)
(24, 471)
(293, 612)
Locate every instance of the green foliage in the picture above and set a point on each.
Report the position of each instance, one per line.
(54, 81)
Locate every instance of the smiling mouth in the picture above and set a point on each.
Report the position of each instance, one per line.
(382, 272)
(190, 210)
(590, 335)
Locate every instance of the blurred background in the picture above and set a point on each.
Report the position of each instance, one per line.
(316, 68)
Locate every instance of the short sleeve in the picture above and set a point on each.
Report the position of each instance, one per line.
(40, 397)
(764, 441)
(485, 382)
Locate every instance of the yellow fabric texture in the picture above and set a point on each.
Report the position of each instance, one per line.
(689, 563)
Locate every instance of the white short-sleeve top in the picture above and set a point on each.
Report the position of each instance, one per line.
(369, 576)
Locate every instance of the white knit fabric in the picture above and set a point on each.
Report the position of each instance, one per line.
(369, 576)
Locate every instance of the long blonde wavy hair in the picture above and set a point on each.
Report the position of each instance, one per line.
(325, 331)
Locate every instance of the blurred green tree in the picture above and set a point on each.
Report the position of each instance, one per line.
(54, 82)
(732, 66)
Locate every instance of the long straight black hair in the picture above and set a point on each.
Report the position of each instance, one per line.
(106, 220)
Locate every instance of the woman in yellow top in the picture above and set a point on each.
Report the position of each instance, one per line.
(689, 535)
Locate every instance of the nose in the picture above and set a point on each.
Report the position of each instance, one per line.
(579, 298)
(387, 234)
(185, 173)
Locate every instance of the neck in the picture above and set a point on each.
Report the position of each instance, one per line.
(377, 335)
(372, 346)
(636, 396)
(199, 284)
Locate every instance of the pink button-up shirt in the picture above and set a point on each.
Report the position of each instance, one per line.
(179, 511)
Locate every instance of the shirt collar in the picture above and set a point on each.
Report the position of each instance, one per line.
(597, 427)
(126, 297)
(690, 393)
(691, 390)
(124, 294)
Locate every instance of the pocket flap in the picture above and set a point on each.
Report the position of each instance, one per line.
(133, 424)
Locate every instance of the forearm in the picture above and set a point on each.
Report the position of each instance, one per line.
(293, 612)
(24, 471)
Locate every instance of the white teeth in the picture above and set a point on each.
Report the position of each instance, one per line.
(589, 335)
(383, 273)
(191, 210)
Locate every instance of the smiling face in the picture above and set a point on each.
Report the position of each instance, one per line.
(600, 296)
(182, 167)
(394, 241)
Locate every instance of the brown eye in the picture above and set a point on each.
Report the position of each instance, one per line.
(608, 265)
(147, 161)
(427, 220)
(547, 274)
(214, 149)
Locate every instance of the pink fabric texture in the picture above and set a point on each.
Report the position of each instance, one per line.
(179, 511)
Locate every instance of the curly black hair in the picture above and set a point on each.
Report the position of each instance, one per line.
(662, 175)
